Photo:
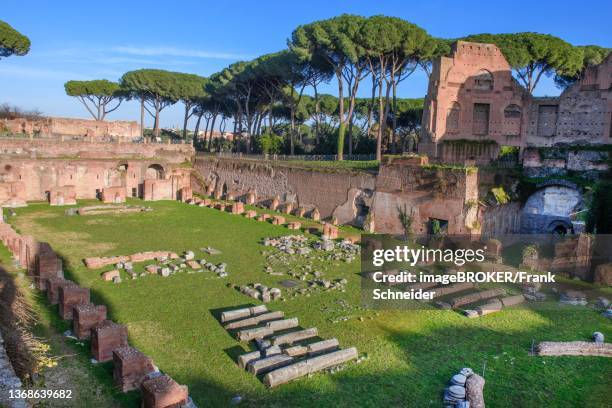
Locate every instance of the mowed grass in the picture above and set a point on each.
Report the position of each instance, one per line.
(411, 355)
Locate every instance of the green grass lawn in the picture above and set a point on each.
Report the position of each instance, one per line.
(411, 354)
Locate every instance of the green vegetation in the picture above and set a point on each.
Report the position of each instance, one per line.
(12, 42)
(599, 216)
(532, 55)
(411, 354)
(500, 195)
(97, 93)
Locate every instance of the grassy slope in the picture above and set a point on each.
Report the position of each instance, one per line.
(411, 354)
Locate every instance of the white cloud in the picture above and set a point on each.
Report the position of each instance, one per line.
(178, 52)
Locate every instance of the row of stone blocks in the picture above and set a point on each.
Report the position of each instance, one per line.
(109, 342)
(329, 231)
(131, 368)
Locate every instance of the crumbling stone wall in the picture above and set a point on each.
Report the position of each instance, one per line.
(432, 192)
(29, 170)
(427, 193)
(40, 148)
(340, 193)
(50, 126)
(472, 96)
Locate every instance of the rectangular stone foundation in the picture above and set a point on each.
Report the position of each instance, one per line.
(62, 195)
(163, 392)
(86, 316)
(113, 195)
(69, 297)
(106, 336)
(53, 288)
(49, 265)
(130, 366)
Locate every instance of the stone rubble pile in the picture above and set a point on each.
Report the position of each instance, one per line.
(260, 292)
(465, 390)
(573, 297)
(531, 291)
(168, 263)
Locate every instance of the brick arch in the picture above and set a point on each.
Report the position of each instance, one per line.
(155, 171)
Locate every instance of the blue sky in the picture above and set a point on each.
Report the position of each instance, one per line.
(91, 40)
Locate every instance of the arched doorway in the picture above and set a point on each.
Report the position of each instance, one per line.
(552, 208)
(155, 171)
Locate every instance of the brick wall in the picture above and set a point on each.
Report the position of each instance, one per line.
(48, 126)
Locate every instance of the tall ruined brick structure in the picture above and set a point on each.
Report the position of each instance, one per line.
(474, 106)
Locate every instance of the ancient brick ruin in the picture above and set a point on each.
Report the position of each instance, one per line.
(474, 106)
(48, 127)
(62, 172)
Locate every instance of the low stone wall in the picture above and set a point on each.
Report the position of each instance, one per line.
(55, 148)
(427, 192)
(27, 179)
(48, 126)
(545, 162)
(332, 192)
(109, 339)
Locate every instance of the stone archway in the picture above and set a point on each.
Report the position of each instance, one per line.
(551, 209)
(155, 171)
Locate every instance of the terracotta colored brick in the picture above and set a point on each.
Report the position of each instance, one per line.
(110, 275)
(114, 195)
(85, 317)
(287, 208)
(53, 288)
(237, 208)
(278, 220)
(69, 297)
(250, 214)
(263, 217)
(330, 231)
(62, 195)
(130, 366)
(106, 336)
(274, 203)
(294, 225)
(186, 193)
(49, 265)
(163, 392)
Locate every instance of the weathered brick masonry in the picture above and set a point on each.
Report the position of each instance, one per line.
(64, 171)
(472, 97)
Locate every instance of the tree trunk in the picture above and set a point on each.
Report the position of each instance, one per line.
(212, 129)
(371, 106)
(157, 109)
(187, 107)
(386, 115)
(142, 115)
(379, 134)
(350, 136)
(292, 133)
(342, 127)
(197, 128)
(317, 118)
(394, 112)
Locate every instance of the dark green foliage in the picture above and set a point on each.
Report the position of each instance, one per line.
(12, 42)
(97, 96)
(599, 218)
(532, 55)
